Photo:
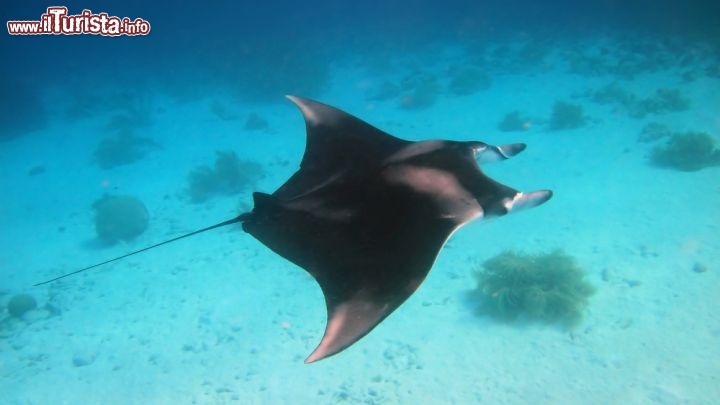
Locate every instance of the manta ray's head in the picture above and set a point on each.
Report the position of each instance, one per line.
(505, 200)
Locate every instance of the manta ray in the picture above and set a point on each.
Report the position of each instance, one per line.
(367, 213)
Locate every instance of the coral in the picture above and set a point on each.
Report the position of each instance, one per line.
(654, 131)
(20, 304)
(625, 60)
(662, 102)
(713, 71)
(385, 91)
(567, 116)
(133, 117)
(587, 65)
(514, 122)
(533, 53)
(122, 149)
(229, 176)
(671, 100)
(613, 94)
(255, 122)
(690, 76)
(221, 111)
(21, 108)
(119, 218)
(688, 152)
(131, 107)
(544, 287)
(420, 92)
(466, 81)
(36, 170)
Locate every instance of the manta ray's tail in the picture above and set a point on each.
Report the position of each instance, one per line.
(239, 218)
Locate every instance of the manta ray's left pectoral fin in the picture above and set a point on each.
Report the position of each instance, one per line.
(525, 200)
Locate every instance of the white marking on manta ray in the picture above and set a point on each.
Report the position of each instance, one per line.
(419, 148)
(485, 153)
(521, 201)
(320, 186)
(451, 197)
(317, 208)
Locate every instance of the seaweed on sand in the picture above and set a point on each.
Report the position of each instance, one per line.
(421, 91)
(130, 107)
(613, 93)
(654, 131)
(513, 121)
(688, 152)
(230, 175)
(567, 116)
(122, 149)
(467, 80)
(663, 101)
(255, 122)
(384, 91)
(134, 110)
(220, 110)
(546, 287)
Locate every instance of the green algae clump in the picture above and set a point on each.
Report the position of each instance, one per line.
(420, 91)
(567, 116)
(122, 149)
(20, 304)
(687, 152)
(514, 122)
(544, 287)
(468, 80)
(120, 217)
(229, 176)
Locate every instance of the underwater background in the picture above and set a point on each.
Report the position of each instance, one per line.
(108, 145)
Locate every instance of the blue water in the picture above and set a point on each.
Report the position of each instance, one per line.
(220, 318)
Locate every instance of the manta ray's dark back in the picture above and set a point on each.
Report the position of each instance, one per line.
(367, 214)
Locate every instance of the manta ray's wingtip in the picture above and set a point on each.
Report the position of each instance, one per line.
(525, 200)
(313, 357)
(298, 101)
(310, 109)
(485, 153)
(304, 102)
(512, 149)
